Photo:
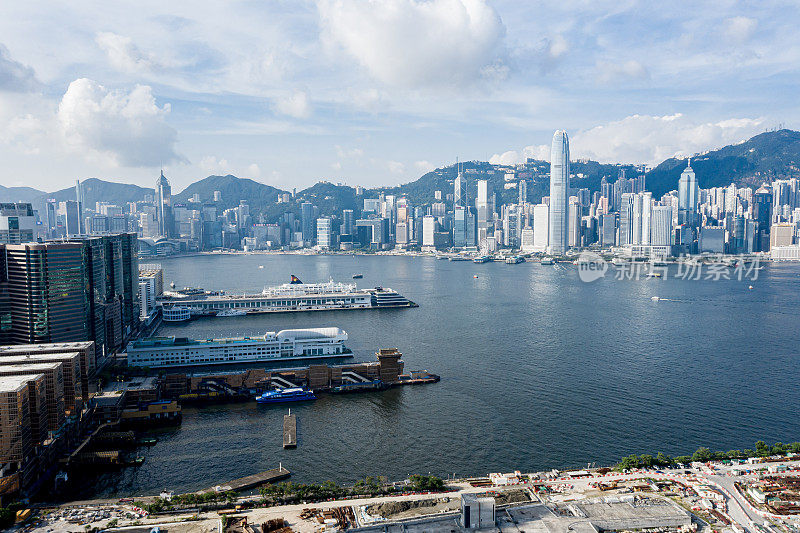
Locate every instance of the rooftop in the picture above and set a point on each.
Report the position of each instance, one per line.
(13, 383)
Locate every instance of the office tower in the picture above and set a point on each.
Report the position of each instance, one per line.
(608, 232)
(15, 410)
(348, 222)
(52, 217)
(626, 219)
(762, 206)
(69, 212)
(17, 223)
(163, 202)
(781, 234)
(459, 190)
(661, 225)
(324, 233)
(401, 233)
(47, 288)
(687, 196)
(541, 227)
(307, 221)
(646, 217)
(53, 372)
(428, 230)
(574, 222)
(459, 226)
(482, 207)
(64, 352)
(81, 205)
(559, 191)
(526, 241)
(522, 189)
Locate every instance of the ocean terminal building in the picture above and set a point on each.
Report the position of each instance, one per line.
(288, 344)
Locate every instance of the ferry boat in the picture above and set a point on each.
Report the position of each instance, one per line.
(286, 395)
(547, 261)
(358, 276)
(482, 259)
(513, 260)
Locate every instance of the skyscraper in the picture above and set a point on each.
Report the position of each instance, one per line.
(459, 189)
(522, 187)
(559, 193)
(307, 220)
(48, 292)
(164, 207)
(687, 196)
(79, 198)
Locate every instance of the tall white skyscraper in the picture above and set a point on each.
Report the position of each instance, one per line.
(661, 226)
(559, 193)
(541, 227)
(482, 208)
(687, 196)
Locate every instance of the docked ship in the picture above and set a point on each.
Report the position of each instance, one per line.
(285, 345)
(482, 259)
(514, 260)
(297, 394)
(292, 296)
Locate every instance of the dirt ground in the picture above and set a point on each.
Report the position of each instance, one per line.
(410, 509)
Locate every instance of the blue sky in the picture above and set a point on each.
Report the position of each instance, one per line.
(289, 92)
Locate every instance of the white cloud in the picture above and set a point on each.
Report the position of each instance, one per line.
(123, 54)
(651, 139)
(413, 43)
(424, 166)
(740, 29)
(14, 76)
(514, 157)
(295, 105)
(557, 46)
(253, 171)
(396, 167)
(609, 71)
(211, 165)
(125, 129)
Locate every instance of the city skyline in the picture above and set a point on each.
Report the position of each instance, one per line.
(163, 89)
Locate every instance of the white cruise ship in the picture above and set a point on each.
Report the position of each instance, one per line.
(293, 296)
(288, 344)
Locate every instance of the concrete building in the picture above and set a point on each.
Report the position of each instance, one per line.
(541, 227)
(54, 388)
(85, 351)
(17, 223)
(559, 193)
(324, 233)
(15, 419)
(477, 512)
(71, 370)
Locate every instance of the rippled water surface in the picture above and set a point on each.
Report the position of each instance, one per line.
(538, 370)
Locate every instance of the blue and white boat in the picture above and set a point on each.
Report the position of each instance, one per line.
(286, 395)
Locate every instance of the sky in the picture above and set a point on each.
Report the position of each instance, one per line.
(374, 93)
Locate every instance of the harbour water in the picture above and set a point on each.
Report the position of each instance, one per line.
(539, 370)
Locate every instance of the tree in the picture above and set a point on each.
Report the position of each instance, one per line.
(702, 455)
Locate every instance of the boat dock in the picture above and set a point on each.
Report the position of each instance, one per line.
(290, 430)
(249, 482)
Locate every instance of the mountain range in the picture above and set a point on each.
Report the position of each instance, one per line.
(767, 156)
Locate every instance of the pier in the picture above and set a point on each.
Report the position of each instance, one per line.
(289, 430)
(249, 482)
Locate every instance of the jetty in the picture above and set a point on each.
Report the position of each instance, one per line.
(289, 430)
(255, 480)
